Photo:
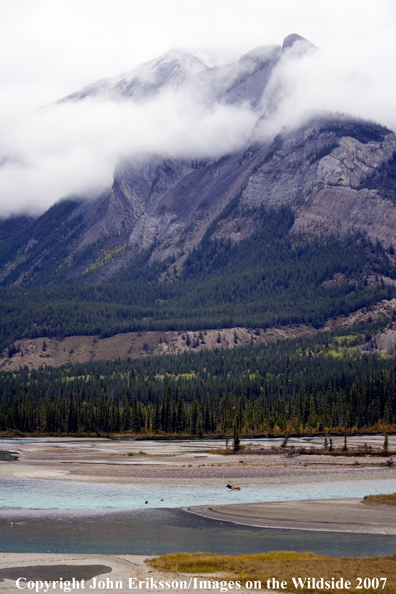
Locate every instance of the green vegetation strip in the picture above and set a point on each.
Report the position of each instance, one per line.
(283, 566)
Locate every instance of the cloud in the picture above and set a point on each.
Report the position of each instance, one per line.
(73, 147)
(356, 82)
(50, 48)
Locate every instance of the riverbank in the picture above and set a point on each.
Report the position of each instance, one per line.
(330, 515)
(181, 572)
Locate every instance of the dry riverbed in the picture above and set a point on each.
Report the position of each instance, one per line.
(189, 462)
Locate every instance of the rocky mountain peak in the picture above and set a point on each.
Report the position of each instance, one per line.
(241, 82)
(171, 69)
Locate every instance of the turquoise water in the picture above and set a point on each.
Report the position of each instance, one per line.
(75, 517)
(72, 517)
(48, 494)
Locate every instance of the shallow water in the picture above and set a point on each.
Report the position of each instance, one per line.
(49, 494)
(160, 531)
(72, 517)
(181, 446)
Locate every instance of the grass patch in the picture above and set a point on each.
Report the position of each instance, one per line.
(380, 499)
(137, 453)
(221, 452)
(283, 566)
(229, 451)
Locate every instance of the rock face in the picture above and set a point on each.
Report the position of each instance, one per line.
(337, 174)
(324, 172)
(316, 171)
(327, 194)
(169, 202)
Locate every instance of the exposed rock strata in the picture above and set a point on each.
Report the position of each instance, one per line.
(172, 203)
(335, 173)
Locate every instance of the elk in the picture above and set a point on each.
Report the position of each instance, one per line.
(233, 487)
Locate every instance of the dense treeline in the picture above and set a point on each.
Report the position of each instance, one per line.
(302, 386)
(270, 279)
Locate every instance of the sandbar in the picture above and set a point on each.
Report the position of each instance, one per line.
(330, 515)
(189, 462)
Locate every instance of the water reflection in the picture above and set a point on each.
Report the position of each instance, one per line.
(160, 531)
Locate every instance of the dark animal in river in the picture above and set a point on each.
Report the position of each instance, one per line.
(233, 487)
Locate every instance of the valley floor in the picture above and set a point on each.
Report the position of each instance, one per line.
(192, 463)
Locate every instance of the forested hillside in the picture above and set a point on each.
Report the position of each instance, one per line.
(272, 278)
(303, 386)
(283, 221)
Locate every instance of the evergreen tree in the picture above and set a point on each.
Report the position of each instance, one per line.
(237, 441)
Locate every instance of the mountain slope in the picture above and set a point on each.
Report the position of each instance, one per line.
(295, 229)
(328, 173)
(271, 278)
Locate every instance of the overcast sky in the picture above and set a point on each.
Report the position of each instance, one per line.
(50, 48)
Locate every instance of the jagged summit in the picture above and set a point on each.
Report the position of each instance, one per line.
(166, 204)
(243, 81)
(171, 69)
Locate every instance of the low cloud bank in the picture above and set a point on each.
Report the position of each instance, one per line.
(356, 81)
(73, 147)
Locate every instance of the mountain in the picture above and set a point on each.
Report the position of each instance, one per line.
(335, 174)
(242, 81)
(170, 70)
(294, 229)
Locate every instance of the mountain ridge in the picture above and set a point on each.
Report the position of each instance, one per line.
(172, 68)
(243, 81)
(323, 171)
(293, 229)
